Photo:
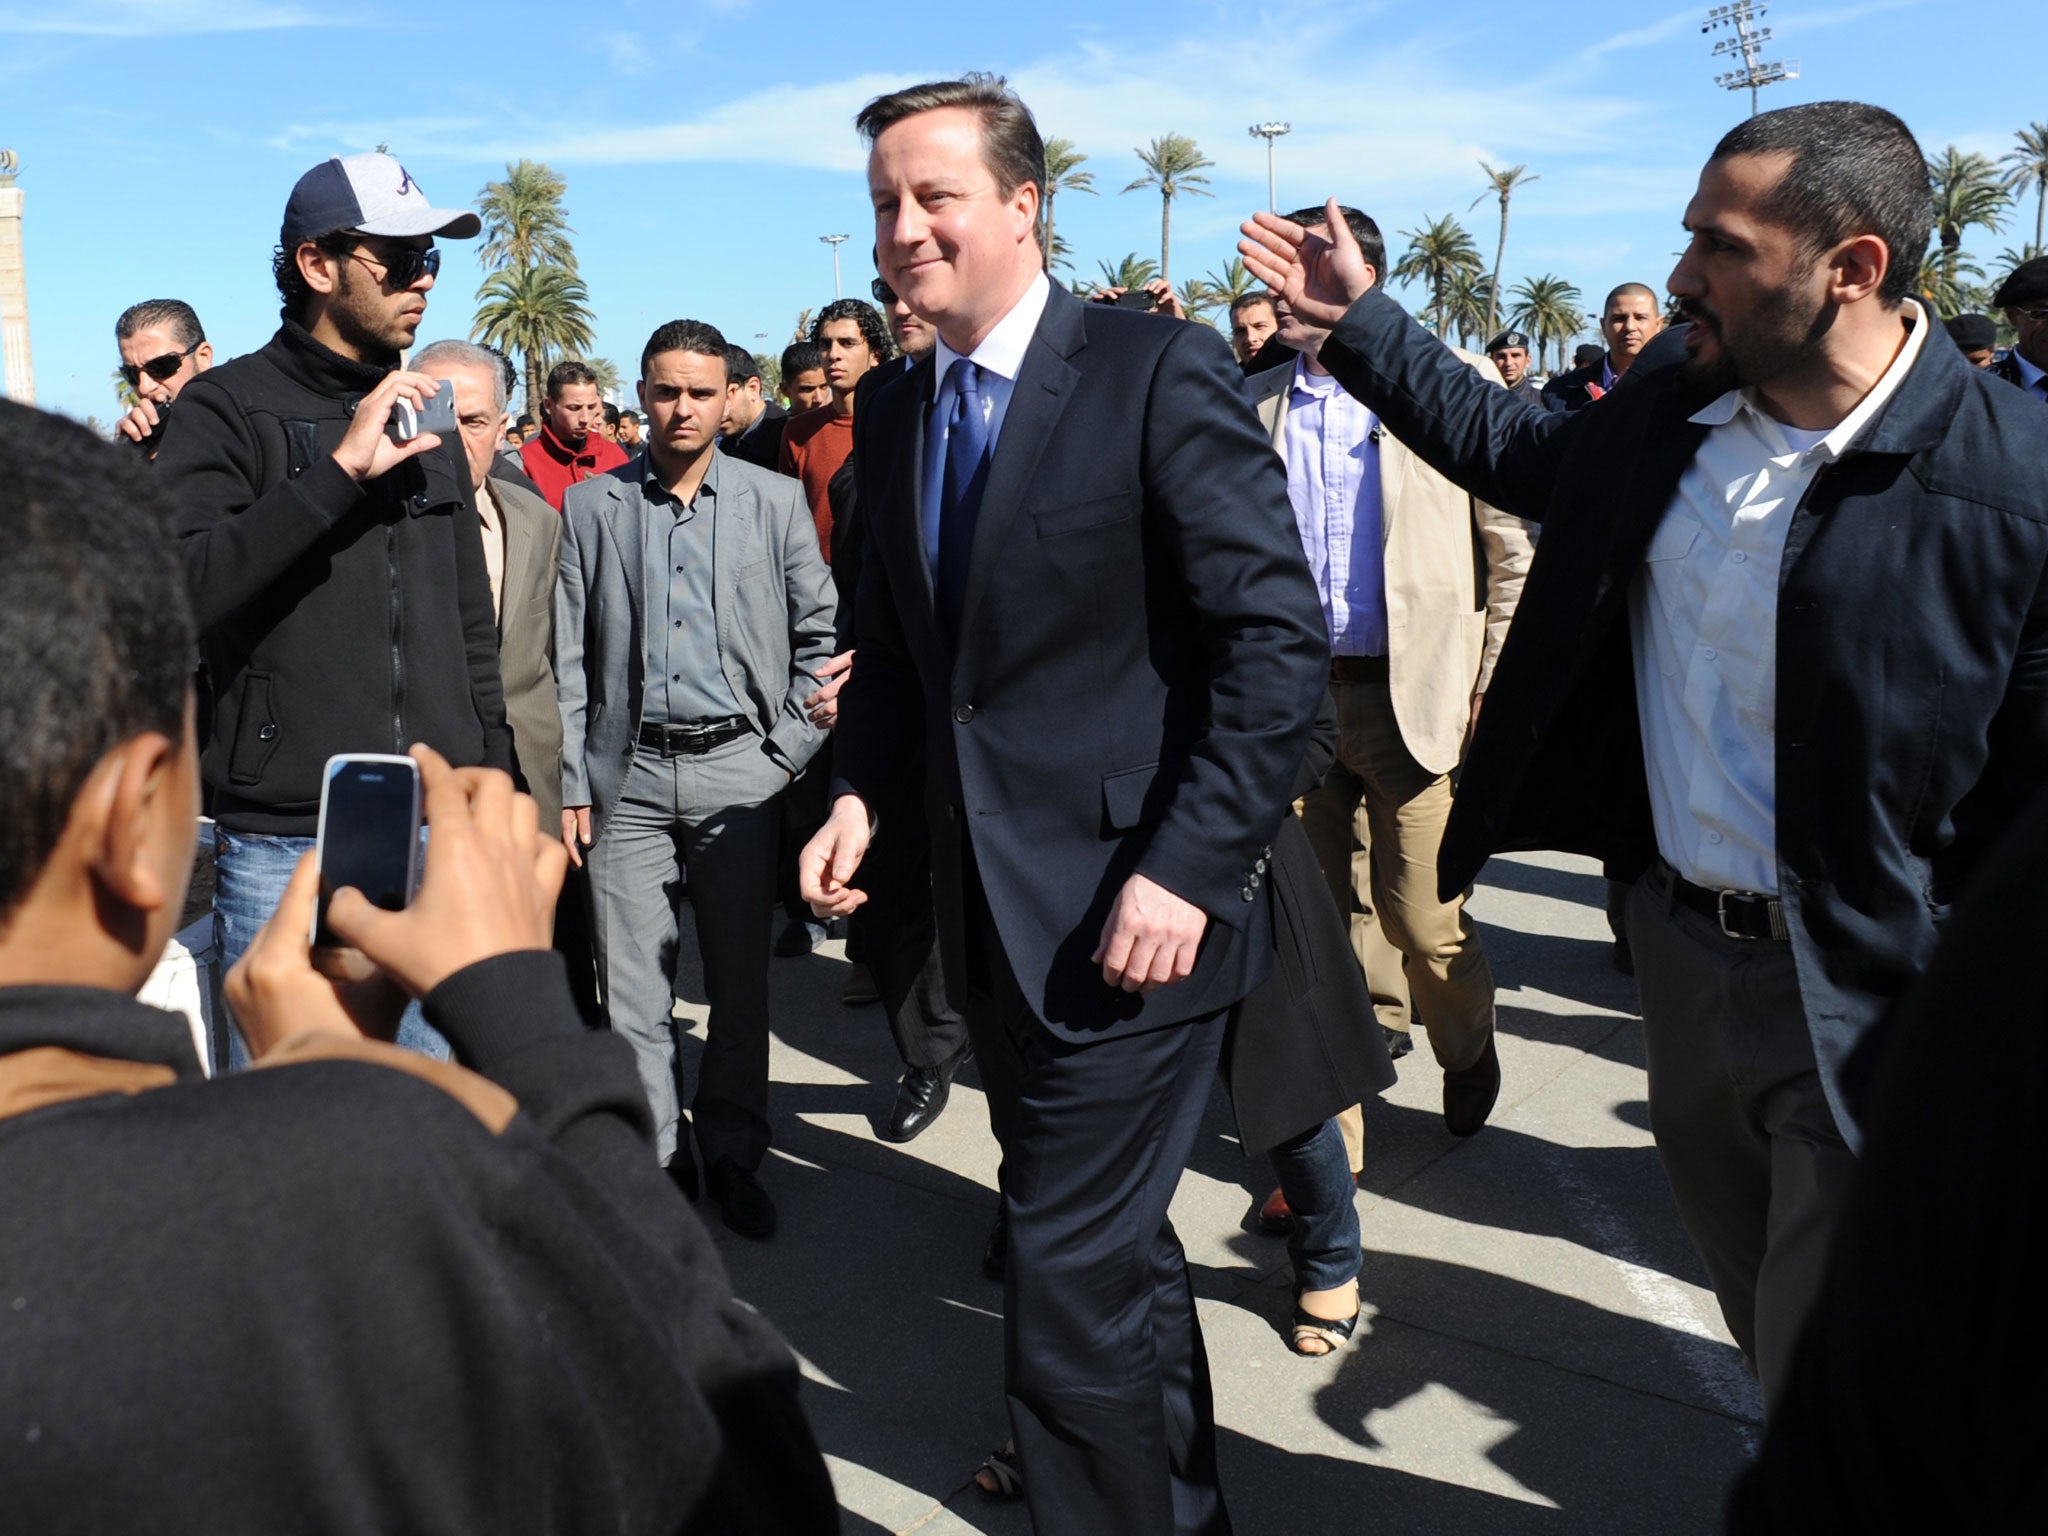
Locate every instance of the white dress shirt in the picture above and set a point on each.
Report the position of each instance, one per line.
(1703, 614)
(999, 358)
(1331, 444)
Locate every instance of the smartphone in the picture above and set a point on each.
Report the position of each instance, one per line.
(369, 833)
(434, 414)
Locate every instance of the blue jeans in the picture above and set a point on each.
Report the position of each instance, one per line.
(1315, 1175)
(250, 874)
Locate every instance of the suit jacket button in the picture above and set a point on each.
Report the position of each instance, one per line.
(267, 733)
(963, 713)
(1253, 882)
(1261, 866)
(1246, 894)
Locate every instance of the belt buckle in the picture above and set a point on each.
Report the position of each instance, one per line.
(1721, 911)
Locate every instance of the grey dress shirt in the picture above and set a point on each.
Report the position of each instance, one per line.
(685, 682)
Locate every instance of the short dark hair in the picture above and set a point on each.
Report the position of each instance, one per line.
(176, 314)
(874, 330)
(741, 365)
(611, 414)
(292, 292)
(96, 635)
(696, 336)
(1587, 353)
(1245, 301)
(1620, 288)
(1856, 170)
(631, 415)
(800, 357)
(1371, 243)
(567, 374)
(1010, 144)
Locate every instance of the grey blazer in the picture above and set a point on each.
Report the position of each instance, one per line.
(526, 641)
(770, 586)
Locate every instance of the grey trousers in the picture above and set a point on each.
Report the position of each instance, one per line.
(1757, 1166)
(716, 817)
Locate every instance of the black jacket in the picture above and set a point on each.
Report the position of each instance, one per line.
(334, 617)
(2008, 369)
(329, 1295)
(1573, 391)
(761, 444)
(1140, 655)
(1912, 646)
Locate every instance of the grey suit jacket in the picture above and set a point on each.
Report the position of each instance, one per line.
(770, 586)
(526, 641)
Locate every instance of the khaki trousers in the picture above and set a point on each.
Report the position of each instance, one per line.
(1376, 822)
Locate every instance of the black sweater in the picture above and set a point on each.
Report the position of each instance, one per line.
(334, 617)
(324, 1297)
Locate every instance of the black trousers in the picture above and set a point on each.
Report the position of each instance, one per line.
(1107, 1379)
(896, 936)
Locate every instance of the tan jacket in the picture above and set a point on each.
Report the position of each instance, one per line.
(1442, 641)
(526, 641)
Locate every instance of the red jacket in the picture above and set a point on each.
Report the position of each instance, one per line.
(554, 467)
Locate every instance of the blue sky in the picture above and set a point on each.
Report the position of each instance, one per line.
(708, 143)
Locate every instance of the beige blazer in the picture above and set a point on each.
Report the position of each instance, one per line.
(526, 641)
(1442, 640)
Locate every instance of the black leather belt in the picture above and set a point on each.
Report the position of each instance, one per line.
(1357, 669)
(1740, 914)
(693, 737)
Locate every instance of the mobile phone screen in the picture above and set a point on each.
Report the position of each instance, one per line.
(369, 835)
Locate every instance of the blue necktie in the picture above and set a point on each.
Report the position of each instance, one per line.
(960, 497)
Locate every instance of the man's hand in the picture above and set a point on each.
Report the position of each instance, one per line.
(489, 890)
(1151, 938)
(276, 993)
(576, 832)
(1317, 273)
(1164, 300)
(139, 422)
(365, 451)
(830, 859)
(823, 706)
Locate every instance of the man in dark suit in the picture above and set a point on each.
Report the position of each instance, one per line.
(752, 425)
(2024, 298)
(1082, 587)
(1783, 652)
(1629, 321)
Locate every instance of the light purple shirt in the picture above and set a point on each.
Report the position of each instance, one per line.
(1331, 445)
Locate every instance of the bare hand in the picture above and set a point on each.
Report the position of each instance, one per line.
(830, 859)
(1318, 273)
(823, 706)
(1151, 938)
(576, 832)
(490, 885)
(277, 994)
(365, 450)
(1165, 300)
(139, 422)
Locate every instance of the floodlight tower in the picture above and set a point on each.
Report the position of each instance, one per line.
(1269, 132)
(1748, 45)
(835, 241)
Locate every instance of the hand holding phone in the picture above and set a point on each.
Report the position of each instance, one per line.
(369, 834)
(434, 414)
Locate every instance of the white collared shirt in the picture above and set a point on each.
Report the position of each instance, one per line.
(1000, 358)
(1332, 454)
(1703, 615)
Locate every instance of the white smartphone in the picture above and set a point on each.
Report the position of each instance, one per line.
(369, 833)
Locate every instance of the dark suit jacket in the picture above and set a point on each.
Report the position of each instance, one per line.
(2008, 369)
(1140, 655)
(761, 444)
(1571, 391)
(1912, 645)
(526, 639)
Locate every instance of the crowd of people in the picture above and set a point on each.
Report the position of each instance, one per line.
(1141, 707)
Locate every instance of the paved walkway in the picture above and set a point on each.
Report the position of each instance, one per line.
(1540, 1353)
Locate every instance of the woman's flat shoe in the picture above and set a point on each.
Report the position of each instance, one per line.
(1310, 1331)
(1004, 1471)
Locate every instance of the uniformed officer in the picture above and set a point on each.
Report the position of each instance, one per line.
(1510, 354)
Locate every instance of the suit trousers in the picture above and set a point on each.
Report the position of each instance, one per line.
(896, 936)
(714, 818)
(1376, 822)
(1758, 1169)
(1107, 1379)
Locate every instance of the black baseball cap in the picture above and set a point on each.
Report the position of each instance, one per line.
(372, 194)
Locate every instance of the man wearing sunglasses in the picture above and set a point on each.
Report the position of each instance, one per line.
(163, 348)
(337, 575)
(2024, 298)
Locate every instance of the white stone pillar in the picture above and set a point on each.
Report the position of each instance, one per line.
(17, 364)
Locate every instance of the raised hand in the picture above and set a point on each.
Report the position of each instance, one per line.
(1316, 273)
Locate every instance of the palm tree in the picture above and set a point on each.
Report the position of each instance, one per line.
(1941, 284)
(1233, 282)
(2029, 163)
(1967, 191)
(1436, 253)
(1501, 184)
(802, 332)
(1062, 174)
(537, 312)
(524, 224)
(607, 373)
(1547, 308)
(1173, 165)
(1134, 271)
(1469, 306)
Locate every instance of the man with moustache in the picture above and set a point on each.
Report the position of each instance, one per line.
(1627, 321)
(1709, 684)
(1083, 593)
(337, 576)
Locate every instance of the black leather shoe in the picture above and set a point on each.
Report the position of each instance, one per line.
(995, 1253)
(920, 1099)
(682, 1171)
(741, 1200)
(1469, 1095)
(859, 990)
(798, 938)
(1399, 1043)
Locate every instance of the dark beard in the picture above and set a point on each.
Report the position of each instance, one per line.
(1772, 342)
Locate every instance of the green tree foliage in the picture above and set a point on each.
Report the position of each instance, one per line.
(1173, 166)
(540, 313)
(1437, 253)
(1968, 193)
(1063, 173)
(1547, 307)
(2027, 166)
(1500, 184)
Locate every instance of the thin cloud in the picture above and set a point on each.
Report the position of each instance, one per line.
(158, 18)
(1642, 37)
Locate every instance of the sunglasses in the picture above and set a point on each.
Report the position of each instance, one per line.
(162, 369)
(884, 294)
(2037, 312)
(404, 266)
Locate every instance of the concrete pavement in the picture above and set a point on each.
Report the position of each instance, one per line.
(1539, 1351)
